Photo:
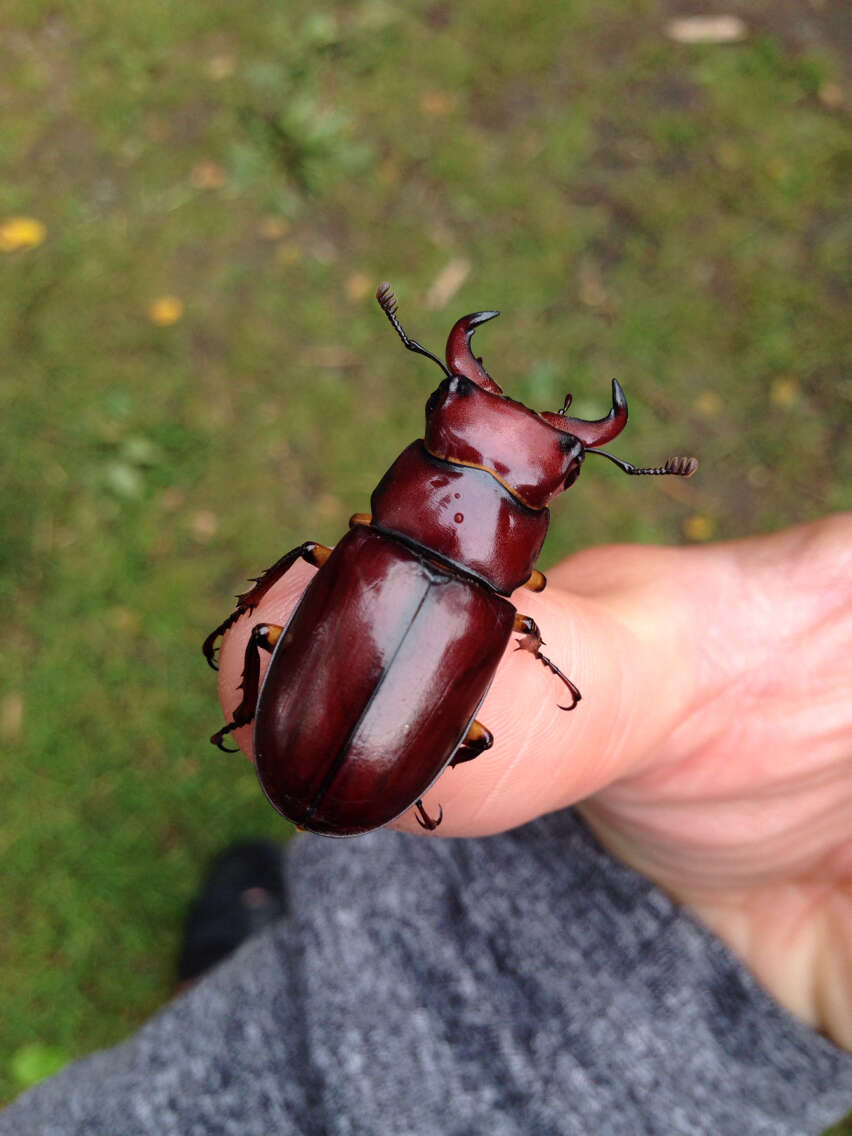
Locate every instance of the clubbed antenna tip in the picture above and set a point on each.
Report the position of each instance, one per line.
(681, 467)
(387, 299)
(676, 467)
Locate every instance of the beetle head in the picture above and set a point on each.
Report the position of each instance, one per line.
(469, 425)
(471, 422)
(462, 361)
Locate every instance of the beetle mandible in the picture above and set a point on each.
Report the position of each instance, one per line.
(375, 682)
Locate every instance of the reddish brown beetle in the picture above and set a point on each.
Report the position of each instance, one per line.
(375, 682)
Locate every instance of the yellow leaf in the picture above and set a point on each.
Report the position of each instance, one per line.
(208, 175)
(220, 67)
(706, 29)
(165, 310)
(288, 253)
(698, 527)
(437, 102)
(389, 172)
(447, 282)
(784, 392)
(273, 227)
(204, 524)
(592, 291)
(708, 403)
(21, 233)
(831, 95)
(12, 716)
(123, 619)
(358, 286)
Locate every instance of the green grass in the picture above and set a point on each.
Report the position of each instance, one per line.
(671, 215)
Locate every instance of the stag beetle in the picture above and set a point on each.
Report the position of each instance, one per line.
(374, 684)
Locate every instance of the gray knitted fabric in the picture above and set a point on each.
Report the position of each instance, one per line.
(521, 985)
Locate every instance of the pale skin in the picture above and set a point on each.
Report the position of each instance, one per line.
(712, 750)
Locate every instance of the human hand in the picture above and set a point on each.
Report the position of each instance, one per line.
(712, 750)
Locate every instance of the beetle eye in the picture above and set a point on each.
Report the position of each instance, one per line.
(577, 454)
(432, 404)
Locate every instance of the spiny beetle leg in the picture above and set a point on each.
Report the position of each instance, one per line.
(479, 738)
(263, 637)
(310, 552)
(423, 818)
(532, 641)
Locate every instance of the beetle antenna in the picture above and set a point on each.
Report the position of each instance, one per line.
(677, 467)
(388, 303)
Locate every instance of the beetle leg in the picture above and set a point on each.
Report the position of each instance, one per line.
(479, 738)
(264, 636)
(532, 641)
(360, 519)
(423, 818)
(310, 552)
(537, 581)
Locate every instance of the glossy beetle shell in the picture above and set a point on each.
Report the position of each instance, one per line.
(463, 515)
(373, 685)
(525, 453)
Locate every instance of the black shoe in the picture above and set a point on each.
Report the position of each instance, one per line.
(242, 894)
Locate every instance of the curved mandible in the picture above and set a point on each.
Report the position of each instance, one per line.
(460, 357)
(600, 431)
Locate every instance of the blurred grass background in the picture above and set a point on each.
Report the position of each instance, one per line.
(194, 375)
